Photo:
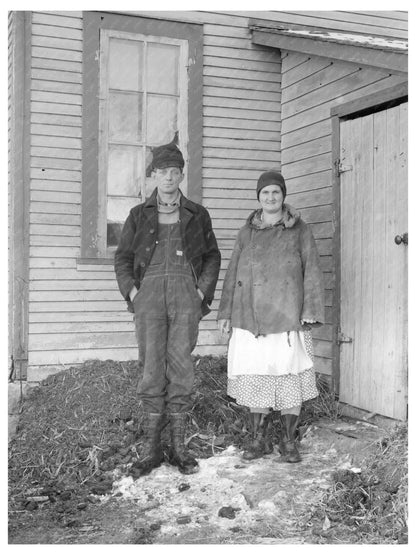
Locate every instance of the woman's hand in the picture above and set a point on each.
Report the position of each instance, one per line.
(224, 326)
(133, 293)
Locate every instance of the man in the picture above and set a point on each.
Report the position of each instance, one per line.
(167, 265)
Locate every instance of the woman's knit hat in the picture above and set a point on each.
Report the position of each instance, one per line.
(271, 178)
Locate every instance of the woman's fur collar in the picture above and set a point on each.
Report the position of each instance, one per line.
(290, 217)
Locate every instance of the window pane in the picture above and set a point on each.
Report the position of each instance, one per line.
(148, 156)
(124, 171)
(125, 116)
(162, 68)
(162, 119)
(149, 187)
(113, 234)
(125, 65)
(149, 184)
(118, 208)
(117, 212)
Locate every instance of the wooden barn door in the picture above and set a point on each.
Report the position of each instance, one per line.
(373, 289)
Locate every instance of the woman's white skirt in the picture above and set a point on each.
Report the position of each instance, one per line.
(274, 370)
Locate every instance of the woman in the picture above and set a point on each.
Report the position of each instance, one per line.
(272, 294)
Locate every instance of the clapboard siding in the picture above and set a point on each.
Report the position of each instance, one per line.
(311, 86)
(55, 188)
(75, 311)
(46, 362)
(257, 102)
(53, 86)
(246, 145)
(232, 49)
(309, 114)
(269, 68)
(56, 64)
(251, 106)
(231, 92)
(72, 317)
(384, 23)
(240, 154)
(56, 108)
(336, 87)
(295, 63)
(58, 20)
(55, 219)
(231, 82)
(241, 136)
(308, 133)
(241, 114)
(61, 153)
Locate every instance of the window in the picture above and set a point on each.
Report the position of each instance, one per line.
(142, 99)
(138, 94)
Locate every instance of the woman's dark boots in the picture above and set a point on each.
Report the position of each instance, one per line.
(151, 454)
(179, 455)
(288, 443)
(261, 440)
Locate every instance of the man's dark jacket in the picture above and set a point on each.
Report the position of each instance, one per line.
(138, 241)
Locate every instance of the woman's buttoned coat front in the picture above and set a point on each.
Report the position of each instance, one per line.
(273, 279)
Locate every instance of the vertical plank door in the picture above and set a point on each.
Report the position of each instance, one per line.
(373, 303)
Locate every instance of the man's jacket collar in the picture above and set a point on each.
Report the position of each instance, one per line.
(151, 202)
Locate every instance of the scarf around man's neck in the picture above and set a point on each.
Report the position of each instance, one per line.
(168, 207)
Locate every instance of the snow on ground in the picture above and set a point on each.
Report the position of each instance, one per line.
(229, 494)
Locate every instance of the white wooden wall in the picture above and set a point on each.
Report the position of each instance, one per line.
(77, 313)
(386, 23)
(241, 136)
(57, 314)
(311, 86)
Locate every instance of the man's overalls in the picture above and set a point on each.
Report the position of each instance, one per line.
(167, 312)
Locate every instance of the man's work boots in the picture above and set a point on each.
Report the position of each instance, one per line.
(179, 455)
(151, 454)
(261, 443)
(288, 443)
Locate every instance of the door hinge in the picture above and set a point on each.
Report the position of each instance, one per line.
(341, 168)
(342, 338)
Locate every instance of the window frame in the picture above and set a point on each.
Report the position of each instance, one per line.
(103, 141)
(94, 198)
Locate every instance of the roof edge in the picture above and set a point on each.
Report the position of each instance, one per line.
(363, 50)
(354, 39)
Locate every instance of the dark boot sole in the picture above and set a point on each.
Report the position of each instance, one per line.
(183, 468)
(187, 469)
(268, 450)
(289, 457)
(139, 472)
(286, 460)
(142, 469)
(253, 456)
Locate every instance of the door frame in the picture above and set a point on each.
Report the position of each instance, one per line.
(384, 99)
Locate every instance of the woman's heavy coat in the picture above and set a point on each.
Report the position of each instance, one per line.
(273, 279)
